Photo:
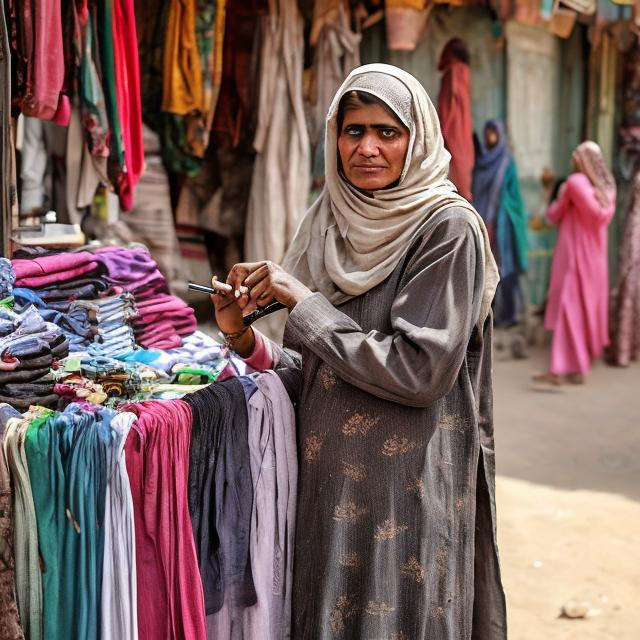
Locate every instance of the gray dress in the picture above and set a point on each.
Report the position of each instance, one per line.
(396, 519)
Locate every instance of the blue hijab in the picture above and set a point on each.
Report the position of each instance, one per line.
(488, 173)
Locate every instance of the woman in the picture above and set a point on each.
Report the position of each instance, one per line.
(454, 109)
(496, 196)
(577, 304)
(625, 333)
(389, 281)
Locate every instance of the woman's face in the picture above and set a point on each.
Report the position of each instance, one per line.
(372, 147)
(491, 137)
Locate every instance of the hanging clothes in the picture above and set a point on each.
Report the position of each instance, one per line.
(42, 450)
(10, 628)
(274, 468)
(625, 326)
(497, 198)
(336, 54)
(170, 597)
(220, 494)
(44, 51)
(578, 298)
(119, 605)
(182, 81)
(127, 85)
(25, 542)
(6, 142)
(454, 109)
(280, 183)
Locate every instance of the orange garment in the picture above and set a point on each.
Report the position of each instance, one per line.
(454, 109)
(182, 90)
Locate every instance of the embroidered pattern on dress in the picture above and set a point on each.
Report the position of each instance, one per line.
(451, 422)
(413, 567)
(344, 609)
(416, 485)
(389, 530)
(351, 560)
(379, 608)
(359, 424)
(328, 378)
(312, 446)
(396, 445)
(354, 471)
(349, 512)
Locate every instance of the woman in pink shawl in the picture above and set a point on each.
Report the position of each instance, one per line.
(577, 306)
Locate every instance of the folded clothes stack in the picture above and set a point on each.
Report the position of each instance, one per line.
(52, 283)
(29, 347)
(162, 321)
(110, 318)
(101, 379)
(60, 278)
(7, 279)
(196, 349)
(162, 318)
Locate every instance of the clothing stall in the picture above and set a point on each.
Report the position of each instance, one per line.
(148, 476)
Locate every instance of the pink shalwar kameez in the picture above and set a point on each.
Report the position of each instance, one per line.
(577, 307)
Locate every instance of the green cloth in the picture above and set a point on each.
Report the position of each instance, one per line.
(91, 93)
(42, 449)
(512, 205)
(105, 20)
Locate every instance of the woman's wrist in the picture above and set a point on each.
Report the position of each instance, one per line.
(242, 342)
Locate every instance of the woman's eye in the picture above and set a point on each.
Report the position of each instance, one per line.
(388, 133)
(353, 131)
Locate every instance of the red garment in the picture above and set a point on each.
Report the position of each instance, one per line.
(454, 109)
(45, 55)
(127, 72)
(170, 595)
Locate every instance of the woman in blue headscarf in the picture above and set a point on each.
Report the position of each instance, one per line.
(497, 198)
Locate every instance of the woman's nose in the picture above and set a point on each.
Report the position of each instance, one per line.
(368, 145)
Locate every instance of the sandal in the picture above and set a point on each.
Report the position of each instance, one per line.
(575, 378)
(548, 379)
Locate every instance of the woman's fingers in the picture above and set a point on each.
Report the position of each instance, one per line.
(222, 301)
(262, 293)
(240, 272)
(259, 274)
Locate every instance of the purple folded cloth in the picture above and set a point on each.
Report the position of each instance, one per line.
(131, 269)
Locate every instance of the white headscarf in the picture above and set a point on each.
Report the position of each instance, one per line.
(350, 241)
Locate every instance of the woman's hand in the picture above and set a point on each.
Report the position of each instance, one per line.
(266, 282)
(228, 313)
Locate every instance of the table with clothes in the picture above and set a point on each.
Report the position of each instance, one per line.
(162, 519)
(147, 478)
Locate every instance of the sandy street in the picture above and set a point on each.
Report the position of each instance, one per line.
(568, 499)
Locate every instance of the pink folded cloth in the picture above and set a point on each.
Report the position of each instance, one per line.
(157, 299)
(151, 318)
(56, 277)
(51, 264)
(173, 306)
(161, 343)
(156, 330)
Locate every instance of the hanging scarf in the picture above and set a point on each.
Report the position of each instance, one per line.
(350, 241)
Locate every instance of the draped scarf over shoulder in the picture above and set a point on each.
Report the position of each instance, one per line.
(350, 241)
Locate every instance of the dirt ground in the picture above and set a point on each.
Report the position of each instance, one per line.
(568, 500)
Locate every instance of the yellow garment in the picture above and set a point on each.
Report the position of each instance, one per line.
(182, 90)
(418, 5)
